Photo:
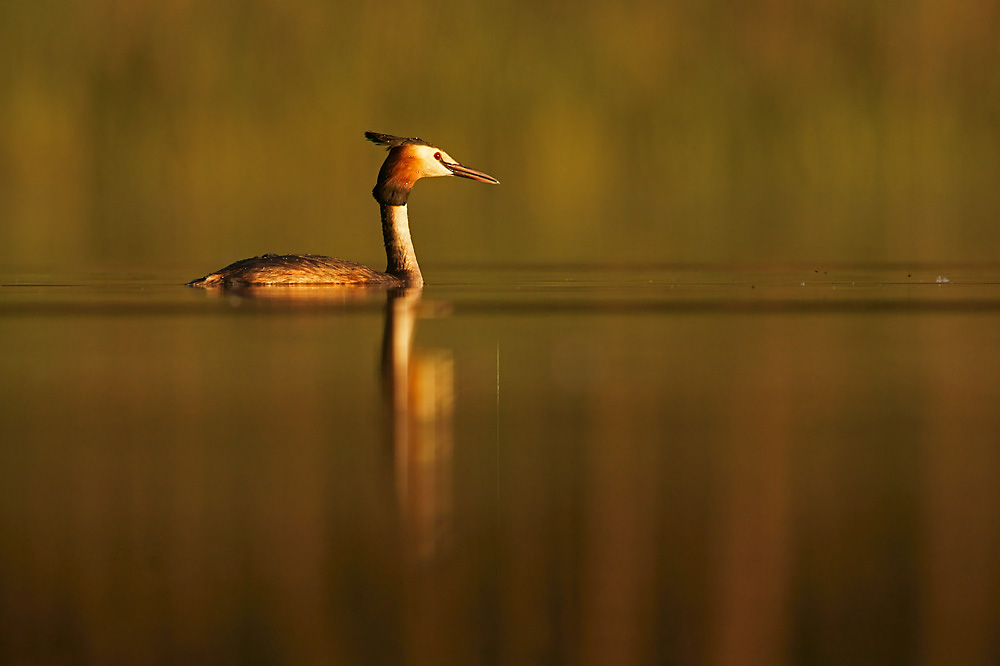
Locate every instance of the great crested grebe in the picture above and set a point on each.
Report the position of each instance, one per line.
(409, 160)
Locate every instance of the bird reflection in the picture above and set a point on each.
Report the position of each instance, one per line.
(419, 396)
(418, 389)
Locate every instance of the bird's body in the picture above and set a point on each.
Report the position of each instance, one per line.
(409, 160)
(294, 269)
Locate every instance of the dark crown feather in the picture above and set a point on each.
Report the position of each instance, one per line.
(394, 141)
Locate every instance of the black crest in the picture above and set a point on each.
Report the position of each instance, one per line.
(394, 141)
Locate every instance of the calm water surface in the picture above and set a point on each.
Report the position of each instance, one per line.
(726, 465)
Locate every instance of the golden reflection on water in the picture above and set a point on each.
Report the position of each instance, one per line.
(307, 479)
(419, 395)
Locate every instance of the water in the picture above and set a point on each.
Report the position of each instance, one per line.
(674, 464)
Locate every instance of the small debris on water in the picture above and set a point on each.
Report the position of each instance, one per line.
(942, 279)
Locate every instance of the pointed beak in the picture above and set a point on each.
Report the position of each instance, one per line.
(465, 172)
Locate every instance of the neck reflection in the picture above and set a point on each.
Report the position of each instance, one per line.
(418, 386)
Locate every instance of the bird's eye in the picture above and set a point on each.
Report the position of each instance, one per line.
(437, 156)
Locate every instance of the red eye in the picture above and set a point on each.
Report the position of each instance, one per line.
(437, 156)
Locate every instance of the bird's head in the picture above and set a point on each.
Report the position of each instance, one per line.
(411, 159)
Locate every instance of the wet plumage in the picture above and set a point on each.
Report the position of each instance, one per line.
(294, 269)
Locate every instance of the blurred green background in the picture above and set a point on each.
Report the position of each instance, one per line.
(176, 136)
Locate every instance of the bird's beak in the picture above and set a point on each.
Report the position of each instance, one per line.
(465, 172)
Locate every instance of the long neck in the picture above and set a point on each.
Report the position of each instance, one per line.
(398, 246)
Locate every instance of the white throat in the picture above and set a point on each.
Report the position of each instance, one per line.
(402, 260)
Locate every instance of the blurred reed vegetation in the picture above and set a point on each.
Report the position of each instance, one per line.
(177, 135)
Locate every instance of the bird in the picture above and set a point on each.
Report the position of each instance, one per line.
(409, 160)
